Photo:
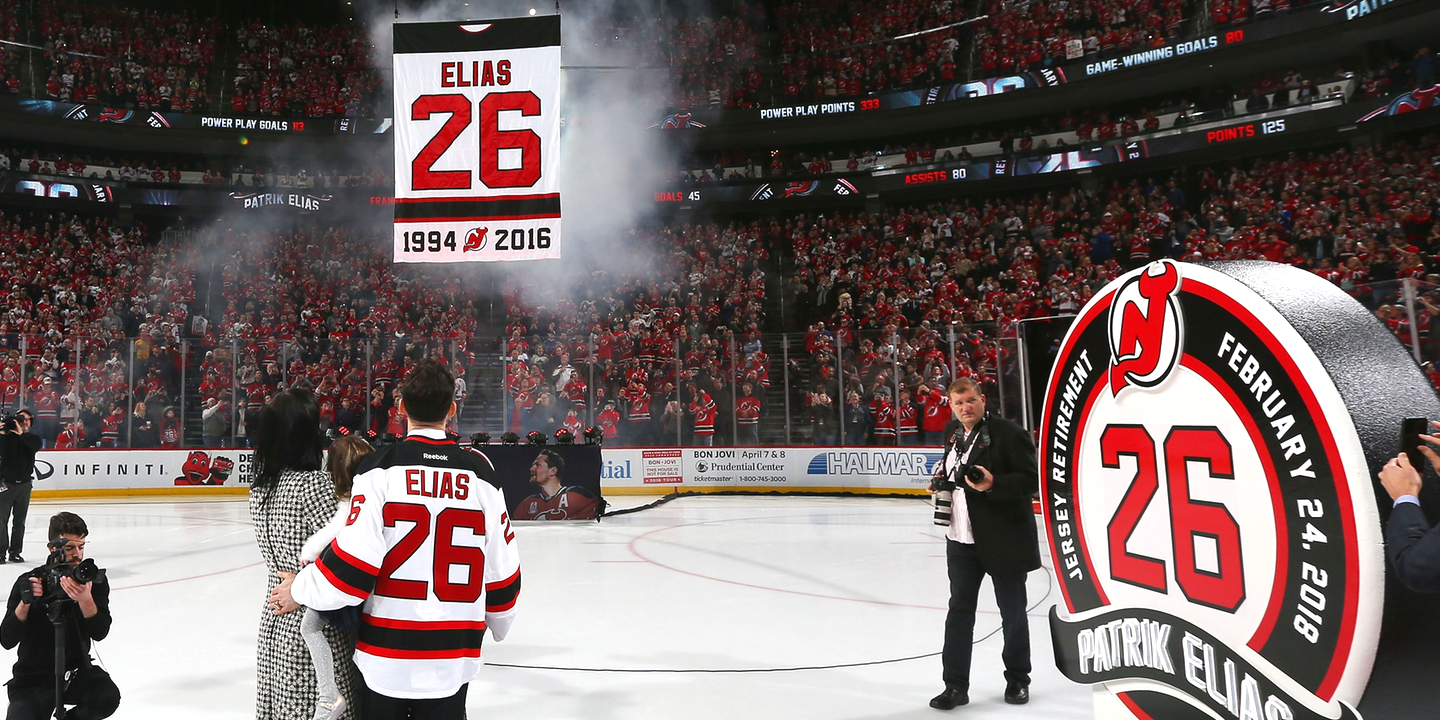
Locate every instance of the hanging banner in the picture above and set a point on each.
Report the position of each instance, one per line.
(1208, 450)
(477, 140)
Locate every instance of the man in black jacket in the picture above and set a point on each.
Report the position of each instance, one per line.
(17, 469)
(991, 531)
(85, 617)
(1412, 545)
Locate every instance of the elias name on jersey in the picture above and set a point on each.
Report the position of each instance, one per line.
(437, 484)
(428, 552)
(488, 73)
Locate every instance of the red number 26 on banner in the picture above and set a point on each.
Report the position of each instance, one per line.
(492, 141)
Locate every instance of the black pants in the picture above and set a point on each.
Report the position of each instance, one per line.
(381, 707)
(966, 572)
(47, 428)
(16, 501)
(91, 691)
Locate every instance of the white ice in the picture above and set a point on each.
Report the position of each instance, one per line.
(763, 584)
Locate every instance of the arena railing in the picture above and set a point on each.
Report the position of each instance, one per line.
(820, 387)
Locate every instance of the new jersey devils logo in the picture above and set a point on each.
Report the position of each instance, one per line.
(1146, 328)
(475, 239)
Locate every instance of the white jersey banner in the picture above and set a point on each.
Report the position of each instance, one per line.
(477, 140)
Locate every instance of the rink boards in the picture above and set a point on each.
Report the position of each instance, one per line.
(623, 471)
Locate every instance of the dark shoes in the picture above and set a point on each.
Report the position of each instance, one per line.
(952, 697)
(15, 558)
(1016, 694)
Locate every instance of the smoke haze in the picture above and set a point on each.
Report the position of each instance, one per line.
(609, 160)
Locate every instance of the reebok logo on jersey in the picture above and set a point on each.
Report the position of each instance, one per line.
(428, 456)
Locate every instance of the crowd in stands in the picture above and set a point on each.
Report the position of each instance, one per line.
(895, 305)
(9, 56)
(180, 61)
(1085, 124)
(159, 168)
(330, 309)
(710, 61)
(1395, 72)
(299, 70)
(1019, 36)
(149, 59)
(90, 337)
(842, 48)
(886, 289)
(153, 60)
(654, 353)
(1239, 12)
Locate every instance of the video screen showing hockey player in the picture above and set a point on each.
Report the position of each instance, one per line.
(553, 499)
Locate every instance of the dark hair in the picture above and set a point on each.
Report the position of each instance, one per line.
(555, 461)
(287, 438)
(427, 392)
(67, 523)
(344, 456)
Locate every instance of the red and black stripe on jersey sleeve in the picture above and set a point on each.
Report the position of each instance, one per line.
(420, 639)
(500, 596)
(347, 573)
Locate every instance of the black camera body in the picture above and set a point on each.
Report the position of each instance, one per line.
(9, 420)
(55, 568)
(974, 474)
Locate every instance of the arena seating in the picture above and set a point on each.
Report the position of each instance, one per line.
(881, 292)
(10, 58)
(297, 70)
(841, 48)
(693, 315)
(1021, 36)
(180, 61)
(153, 60)
(77, 291)
(156, 168)
(1045, 133)
(711, 61)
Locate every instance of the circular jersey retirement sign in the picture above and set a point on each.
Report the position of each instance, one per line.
(1208, 501)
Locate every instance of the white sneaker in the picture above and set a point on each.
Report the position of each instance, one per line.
(330, 710)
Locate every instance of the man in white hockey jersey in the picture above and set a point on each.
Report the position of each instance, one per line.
(429, 551)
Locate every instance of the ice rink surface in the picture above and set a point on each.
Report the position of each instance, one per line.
(705, 608)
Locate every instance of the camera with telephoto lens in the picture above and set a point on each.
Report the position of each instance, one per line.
(9, 420)
(945, 487)
(56, 567)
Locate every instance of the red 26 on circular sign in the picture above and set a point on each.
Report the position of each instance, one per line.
(1208, 508)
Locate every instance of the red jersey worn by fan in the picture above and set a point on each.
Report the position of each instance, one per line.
(429, 552)
(554, 500)
(569, 503)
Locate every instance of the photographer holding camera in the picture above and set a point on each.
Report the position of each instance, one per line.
(17, 469)
(983, 485)
(83, 610)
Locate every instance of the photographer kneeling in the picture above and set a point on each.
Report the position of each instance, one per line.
(84, 610)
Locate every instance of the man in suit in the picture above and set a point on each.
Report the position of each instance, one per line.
(991, 532)
(1411, 544)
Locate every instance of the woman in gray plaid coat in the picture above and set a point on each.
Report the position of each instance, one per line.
(291, 498)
